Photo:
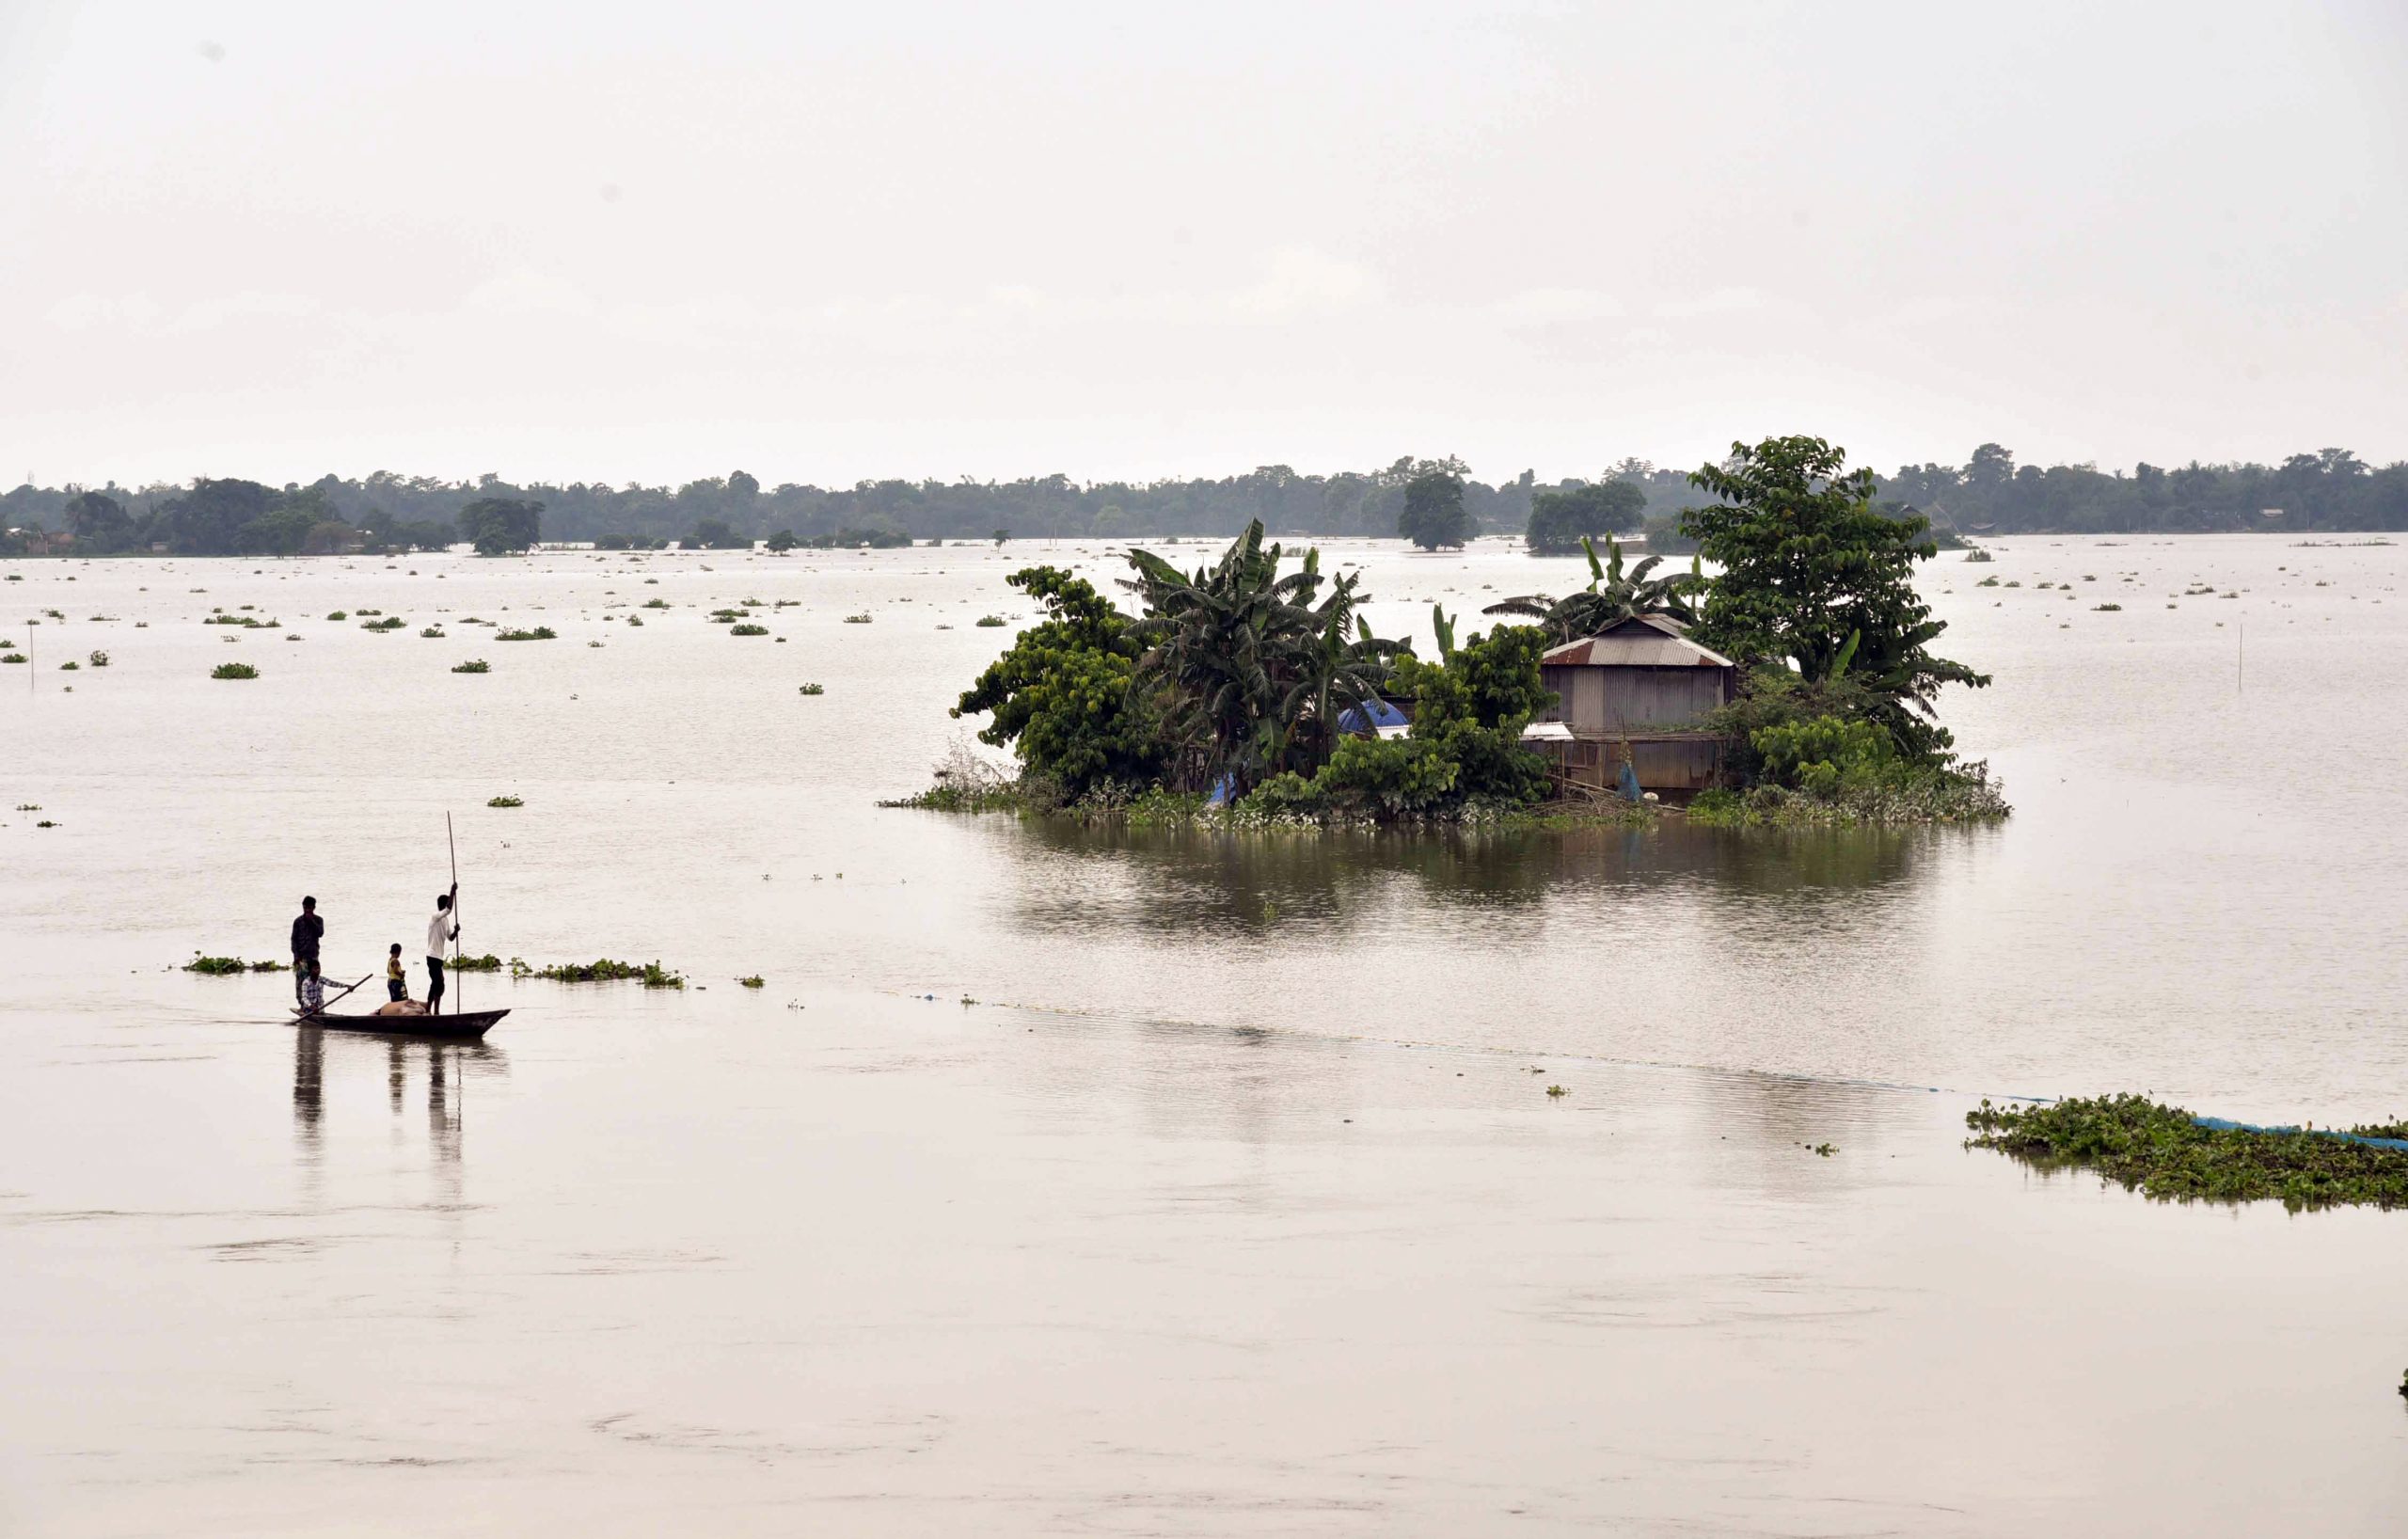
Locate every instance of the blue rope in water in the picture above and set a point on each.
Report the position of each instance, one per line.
(2227, 1125)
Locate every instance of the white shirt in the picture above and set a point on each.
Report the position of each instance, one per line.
(439, 932)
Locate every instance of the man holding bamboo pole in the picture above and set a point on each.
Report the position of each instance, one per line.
(441, 932)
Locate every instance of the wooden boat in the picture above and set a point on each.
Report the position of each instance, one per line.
(452, 1026)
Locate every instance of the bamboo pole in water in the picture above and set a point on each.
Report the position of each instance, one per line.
(453, 845)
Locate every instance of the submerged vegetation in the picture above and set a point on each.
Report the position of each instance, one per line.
(218, 967)
(2166, 1154)
(651, 974)
(1261, 694)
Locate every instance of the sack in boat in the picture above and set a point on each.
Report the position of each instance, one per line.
(402, 1007)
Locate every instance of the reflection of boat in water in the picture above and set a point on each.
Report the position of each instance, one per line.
(464, 1025)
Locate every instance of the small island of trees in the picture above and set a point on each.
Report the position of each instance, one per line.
(1251, 685)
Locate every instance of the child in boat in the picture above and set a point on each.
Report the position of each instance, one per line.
(397, 982)
(313, 987)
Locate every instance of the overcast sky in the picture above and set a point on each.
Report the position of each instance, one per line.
(604, 242)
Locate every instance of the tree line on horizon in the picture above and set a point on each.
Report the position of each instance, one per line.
(2328, 490)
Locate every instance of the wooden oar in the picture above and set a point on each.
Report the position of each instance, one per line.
(324, 1003)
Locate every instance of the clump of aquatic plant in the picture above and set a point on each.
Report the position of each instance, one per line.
(654, 603)
(505, 802)
(651, 974)
(371, 612)
(474, 665)
(540, 633)
(486, 964)
(389, 623)
(1977, 553)
(2396, 1128)
(1987, 582)
(811, 689)
(29, 807)
(68, 665)
(727, 617)
(755, 981)
(433, 633)
(216, 967)
(2164, 1152)
(856, 619)
(12, 656)
(2107, 609)
(989, 622)
(635, 619)
(45, 823)
(234, 670)
(100, 659)
(748, 630)
(1556, 1090)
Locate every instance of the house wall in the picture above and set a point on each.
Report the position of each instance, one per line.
(1592, 698)
(1678, 766)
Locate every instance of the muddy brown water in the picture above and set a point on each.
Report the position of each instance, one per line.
(1233, 1202)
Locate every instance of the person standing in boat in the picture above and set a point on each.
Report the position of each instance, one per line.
(308, 930)
(441, 932)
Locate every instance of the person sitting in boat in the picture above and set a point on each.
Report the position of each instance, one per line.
(441, 932)
(313, 987)
(397, 980)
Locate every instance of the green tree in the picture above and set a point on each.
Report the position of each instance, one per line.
(1065, 697)
(99, 522)
(1560, 520)
(783, 541)
(1254, 665)
(1612, 596)
(500, 526)
(1434, 514)
(715, 534)
(1814, 576)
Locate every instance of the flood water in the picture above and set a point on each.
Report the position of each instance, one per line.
(1107, 1181)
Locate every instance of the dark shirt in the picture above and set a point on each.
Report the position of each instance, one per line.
(305, 930)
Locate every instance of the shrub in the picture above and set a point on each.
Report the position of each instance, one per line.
(474, 665)
(234, 670)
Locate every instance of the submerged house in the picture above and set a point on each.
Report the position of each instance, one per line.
(1638, 693)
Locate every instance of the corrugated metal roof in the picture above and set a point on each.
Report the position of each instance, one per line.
(1648, 641)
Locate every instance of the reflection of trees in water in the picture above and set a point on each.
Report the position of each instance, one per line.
(1178, 878)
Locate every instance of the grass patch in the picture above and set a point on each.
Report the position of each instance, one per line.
(651, 974)
(2164, 1155)
(234, 670)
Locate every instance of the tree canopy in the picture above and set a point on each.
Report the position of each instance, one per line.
(1814, 576)
(1560, 520)
(1433, 516)
(501, 526)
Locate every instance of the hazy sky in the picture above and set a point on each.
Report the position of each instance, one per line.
(597, 241)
